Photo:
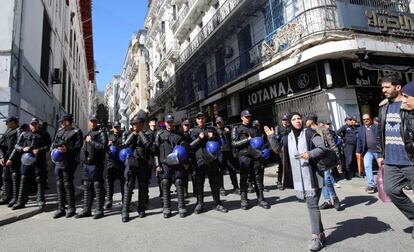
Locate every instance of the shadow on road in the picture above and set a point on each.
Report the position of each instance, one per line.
(356, 200)
(357, 227)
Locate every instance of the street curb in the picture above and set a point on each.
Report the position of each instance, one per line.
(32, 213)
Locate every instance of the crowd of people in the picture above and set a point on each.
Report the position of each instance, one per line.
(311, 157)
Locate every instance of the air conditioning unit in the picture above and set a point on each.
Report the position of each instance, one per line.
(227, 52)
(57, 76)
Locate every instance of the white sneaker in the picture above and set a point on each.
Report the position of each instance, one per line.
(337, 185)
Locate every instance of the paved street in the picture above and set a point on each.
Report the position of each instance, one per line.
(366, 224)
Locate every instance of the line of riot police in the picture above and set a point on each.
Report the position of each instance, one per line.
(131, 156)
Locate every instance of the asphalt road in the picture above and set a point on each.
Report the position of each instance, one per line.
(365, 224)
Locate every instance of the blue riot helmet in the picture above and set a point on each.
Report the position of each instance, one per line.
(213, 148)
(124, 153)
(265, 153)
(181, 152)
(57, 156)
(113, 150)
(28, 159)
(257, 143)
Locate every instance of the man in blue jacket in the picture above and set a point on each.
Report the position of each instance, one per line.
(367, 142)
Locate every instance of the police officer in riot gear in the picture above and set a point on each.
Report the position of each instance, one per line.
(37, 143)
(68, 140)
(150, 152)
(186, 126)
(250, 160)
(227, 161)
(170, 168)
(205, 165)
(136, 167)
(114, 167)
(93, 152)
(10, 164)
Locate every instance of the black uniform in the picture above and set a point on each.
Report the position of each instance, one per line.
(191, 159)
(165, 141)
(38, 140)
(349, 136)
(205, 166)
(136, 167)
(150, 153)
(72, 138)
(11, 174)
(114, 168)
(227, 160)
(93, 153)
(249, 163)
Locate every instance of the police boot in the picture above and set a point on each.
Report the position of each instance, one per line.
(21, 200)
(70, 198)
(87, 200)
(99, 196)
(233, 178)
(179, 183)
(200, 199)
(126, 203)
(60, 212)
(41, 202)
(244, 202)
(222, 190)
(166, 197)
(215, 190)
(142, 201)
(193, 182)
(259, 191)
(6, 193)
(109, 193)
(16, 184)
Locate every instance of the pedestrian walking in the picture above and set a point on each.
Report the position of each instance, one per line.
(299, 149)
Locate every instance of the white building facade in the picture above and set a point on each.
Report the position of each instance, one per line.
(275, 56)
(130, 88)
(46, 56)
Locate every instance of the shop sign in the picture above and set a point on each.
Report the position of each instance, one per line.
(363, 74)
(303, 80)
(363, 18)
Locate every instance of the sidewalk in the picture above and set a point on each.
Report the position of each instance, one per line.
(7, 215)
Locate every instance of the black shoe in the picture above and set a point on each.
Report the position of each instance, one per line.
(11, 203)
(167, 214)
(141, 214)
(221, 208)
(83, 214)
(182, 212)
(41, 205)
(325, 205)
(108, 204)
(336, 203)
(236, 191)
(371, 190)
(20, 205)
(199, 208)
(280, 186)
(71, 213)
(59, 213)
(263, 204)
(125, 219)
(98, 215)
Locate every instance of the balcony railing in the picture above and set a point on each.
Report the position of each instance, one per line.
(221, 14)
(182, 15)
(161, 90)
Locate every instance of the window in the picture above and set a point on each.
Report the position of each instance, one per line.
(45, 58)
(274, 15)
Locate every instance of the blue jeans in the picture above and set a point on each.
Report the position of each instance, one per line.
(328, 189)
(368, 158)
